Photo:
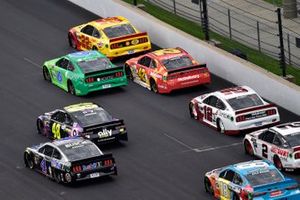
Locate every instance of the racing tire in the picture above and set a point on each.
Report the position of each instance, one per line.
(71, 41)
(28, 161)
(56, 176)
(208, 187)
(40, 126)
(248, 148)
(278, 163)
(220, 126)
(128, 72)
(191, 109)
(153, 86)
(95, 48)
(71, 88)
(46, 74)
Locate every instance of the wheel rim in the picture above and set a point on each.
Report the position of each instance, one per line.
(29, 161)
(249, 148)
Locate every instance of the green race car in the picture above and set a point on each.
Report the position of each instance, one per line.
(83, 72)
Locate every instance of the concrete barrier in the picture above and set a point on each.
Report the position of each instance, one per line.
(220, 63)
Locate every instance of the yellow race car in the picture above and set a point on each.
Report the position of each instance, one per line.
(113, 37)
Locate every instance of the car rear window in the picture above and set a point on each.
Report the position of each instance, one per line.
(90, 117)
(264, 176)
(79, 150)
(245, 101)
(119, 30)
(177, 62)
(293, 139)
(88, 66)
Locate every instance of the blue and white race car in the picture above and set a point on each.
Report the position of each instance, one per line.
(253, 180)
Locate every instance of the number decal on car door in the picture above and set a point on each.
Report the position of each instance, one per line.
(56, 130)
(208, 113)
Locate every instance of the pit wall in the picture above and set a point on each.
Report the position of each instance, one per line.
(219, 62)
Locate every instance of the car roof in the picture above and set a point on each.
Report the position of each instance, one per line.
(69, 140)
(168, 53)
(287, 128)
(229, 93)
(80, 107)
(246, 168)
(110, 21)
(84, 55)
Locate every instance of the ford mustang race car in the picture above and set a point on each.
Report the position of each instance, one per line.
(85, 119)
(279, 144)
(70, 160)
(113, 37)
(167, 69)
(83, 72)
(253, 180)
(233, 110)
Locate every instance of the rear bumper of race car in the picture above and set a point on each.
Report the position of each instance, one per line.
(116, 137)
(167, 87)
(112, 170)
(251, 128)
(114, 53)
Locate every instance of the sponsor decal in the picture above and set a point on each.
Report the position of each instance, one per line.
(105, 133)
(279, 151)
(90, 166)
(189, 77)
(59, 77)
(43, 166)
(155, 75)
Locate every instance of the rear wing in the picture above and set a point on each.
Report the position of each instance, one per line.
(187, 68)
(128, 37)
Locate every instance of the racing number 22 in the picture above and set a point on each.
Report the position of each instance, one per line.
(56, 130)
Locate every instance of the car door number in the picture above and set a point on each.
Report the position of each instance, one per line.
(208, 113)
(56, 130)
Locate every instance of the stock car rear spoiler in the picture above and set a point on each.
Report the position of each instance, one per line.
(104, 125)
(254, 108)
(92, 159)
(128, 37)
(105, 70)
(187, 68)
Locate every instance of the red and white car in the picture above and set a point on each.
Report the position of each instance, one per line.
(165, 70)
(233, 110)
(279, 144)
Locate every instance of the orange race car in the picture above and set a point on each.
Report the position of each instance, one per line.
(165, 70)
(113, 37)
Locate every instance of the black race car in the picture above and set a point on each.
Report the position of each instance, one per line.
(70, 159)
(84, 119)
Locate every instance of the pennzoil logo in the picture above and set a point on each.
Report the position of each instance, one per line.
(105, 133)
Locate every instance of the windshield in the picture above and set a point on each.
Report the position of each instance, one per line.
(91, 116)
(264, 176)
(246, 101)
(97, 64)
(177, 62)
(293, 139)
(79, 150)
(118, 31)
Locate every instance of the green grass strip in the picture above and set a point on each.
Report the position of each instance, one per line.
(195, 29)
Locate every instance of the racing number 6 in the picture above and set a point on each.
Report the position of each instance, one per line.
(56, 130)
(264, 150)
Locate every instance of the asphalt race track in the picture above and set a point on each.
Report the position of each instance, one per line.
(167, 153)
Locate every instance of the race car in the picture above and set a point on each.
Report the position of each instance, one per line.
(233, 110)
(113, 36)
(83, 72)
(88, 120)
(70, 160)
(279, 144)
(165, 70)
(252, 180)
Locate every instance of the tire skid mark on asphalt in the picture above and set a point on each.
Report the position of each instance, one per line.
(32, 62)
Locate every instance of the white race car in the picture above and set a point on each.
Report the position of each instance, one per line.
(233, 110)
(279, 144)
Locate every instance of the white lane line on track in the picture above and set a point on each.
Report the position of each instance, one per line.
(179, 142)
(216, 148)
(32, 62)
